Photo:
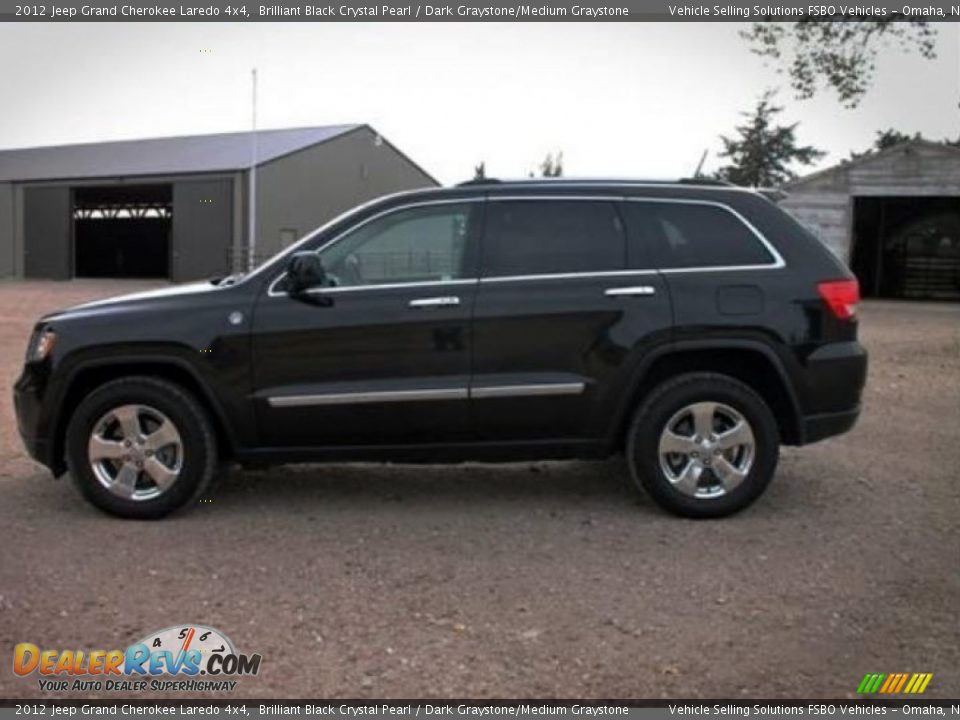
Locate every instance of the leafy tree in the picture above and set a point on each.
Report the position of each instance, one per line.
(891, 138)
(837, 53)
(480, 171)
(762, 152)
(551, 166)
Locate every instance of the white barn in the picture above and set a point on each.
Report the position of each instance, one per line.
(893, 216)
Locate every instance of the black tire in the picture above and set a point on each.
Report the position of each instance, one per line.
(664, 404)
(197, 458)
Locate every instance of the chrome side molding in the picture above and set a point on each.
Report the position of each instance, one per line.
(428, 394)
(356, 398)
(538, 390)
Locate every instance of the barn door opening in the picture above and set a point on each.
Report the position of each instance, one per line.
(122, 231)
(907, 247)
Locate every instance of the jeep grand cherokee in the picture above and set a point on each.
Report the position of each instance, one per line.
(692, 326)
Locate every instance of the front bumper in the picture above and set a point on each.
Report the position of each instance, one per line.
(28, 395)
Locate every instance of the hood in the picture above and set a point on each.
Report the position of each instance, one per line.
(137, 300)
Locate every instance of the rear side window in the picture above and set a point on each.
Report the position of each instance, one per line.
(691, 235)
(536, 237)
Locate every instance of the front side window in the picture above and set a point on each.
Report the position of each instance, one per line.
(692, 235)
(421, 244)
(539, 237)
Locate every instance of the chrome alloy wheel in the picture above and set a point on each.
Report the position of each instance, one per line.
(135, 451)
(707, 449)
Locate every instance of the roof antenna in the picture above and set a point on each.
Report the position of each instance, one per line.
(698, 172)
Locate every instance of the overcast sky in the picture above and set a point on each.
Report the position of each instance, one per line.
(625, 100)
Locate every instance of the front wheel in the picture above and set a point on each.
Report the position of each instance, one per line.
(703, 445)
(140, 447)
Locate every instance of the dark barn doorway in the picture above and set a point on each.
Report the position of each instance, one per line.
(907, 247)
(123, 232)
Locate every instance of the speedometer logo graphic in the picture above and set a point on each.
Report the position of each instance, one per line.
(181, 639)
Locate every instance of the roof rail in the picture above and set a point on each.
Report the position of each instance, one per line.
(479, 181)
(705, 181)
(773, 194)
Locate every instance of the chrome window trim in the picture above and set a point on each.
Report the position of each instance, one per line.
(272, 292)
(567, 276)
(356, 398)
(778, 261)
(384, 286)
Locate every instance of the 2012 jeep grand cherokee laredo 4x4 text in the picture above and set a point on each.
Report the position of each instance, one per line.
(694, 327)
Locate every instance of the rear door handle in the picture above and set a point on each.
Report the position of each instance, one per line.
(631, 291)
(447, 301)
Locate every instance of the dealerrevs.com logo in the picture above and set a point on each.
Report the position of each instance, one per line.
(186, 657)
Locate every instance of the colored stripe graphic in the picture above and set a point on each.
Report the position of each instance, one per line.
(870, 683)
(892, 680)
(907, 683)
(918, 683)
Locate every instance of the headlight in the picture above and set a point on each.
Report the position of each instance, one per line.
(42, 345)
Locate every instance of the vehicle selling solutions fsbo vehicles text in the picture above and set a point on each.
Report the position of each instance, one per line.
(780, 11)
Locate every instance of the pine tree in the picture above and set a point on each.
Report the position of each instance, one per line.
(762, 153)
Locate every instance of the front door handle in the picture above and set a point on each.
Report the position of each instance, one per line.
(447, 301)
(631, 291)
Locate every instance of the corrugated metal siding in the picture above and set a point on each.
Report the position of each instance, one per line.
(48, 236)
(302, 191)
(922, 171)
(202, 234)
(8, 262)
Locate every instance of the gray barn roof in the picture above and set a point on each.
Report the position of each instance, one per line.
(931, 147)
(159, 156)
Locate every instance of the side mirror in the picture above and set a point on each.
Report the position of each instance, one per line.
(304, 270)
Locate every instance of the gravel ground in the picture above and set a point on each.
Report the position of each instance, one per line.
(527, 580)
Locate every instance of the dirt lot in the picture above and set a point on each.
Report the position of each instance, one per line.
(542, 580)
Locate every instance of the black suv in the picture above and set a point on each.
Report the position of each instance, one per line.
(692, 326)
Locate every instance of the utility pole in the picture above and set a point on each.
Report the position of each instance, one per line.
(252, 199)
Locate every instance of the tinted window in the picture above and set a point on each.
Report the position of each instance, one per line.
(416, 245)
(535, 237)
(688, 235)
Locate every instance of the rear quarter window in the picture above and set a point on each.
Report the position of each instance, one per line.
(693, 235)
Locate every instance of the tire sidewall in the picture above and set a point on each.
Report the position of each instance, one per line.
(198, 449)
(643, 448)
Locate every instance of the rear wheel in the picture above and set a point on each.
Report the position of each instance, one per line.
(140, 447)
(703, 445)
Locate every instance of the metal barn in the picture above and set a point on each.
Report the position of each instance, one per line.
(893, 216)
(176, 208)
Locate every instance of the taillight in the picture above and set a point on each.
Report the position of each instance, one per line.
(841, 296)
